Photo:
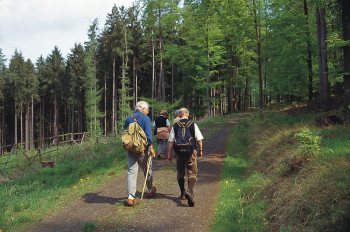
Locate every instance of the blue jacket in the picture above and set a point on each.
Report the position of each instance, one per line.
(145, 123)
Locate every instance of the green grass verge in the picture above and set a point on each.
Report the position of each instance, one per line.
(285, 173)
(44, 190)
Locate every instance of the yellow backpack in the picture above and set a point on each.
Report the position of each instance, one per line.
(134, 139)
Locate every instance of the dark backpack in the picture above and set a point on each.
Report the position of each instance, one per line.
(184, 143)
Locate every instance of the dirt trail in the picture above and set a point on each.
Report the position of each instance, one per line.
(165, 212)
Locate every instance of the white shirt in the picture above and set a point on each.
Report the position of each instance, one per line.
(197, 132)
(167, 122)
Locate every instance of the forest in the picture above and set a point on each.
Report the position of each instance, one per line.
(213, 56)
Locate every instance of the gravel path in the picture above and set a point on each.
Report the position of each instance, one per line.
(165, 212)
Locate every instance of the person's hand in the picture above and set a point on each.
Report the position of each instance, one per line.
(170, 158)
(152, 152)
(200, 154)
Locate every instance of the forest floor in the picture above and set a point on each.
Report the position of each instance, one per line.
(106, 208)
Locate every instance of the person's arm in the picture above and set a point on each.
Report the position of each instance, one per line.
(170, 148)
(200, 148)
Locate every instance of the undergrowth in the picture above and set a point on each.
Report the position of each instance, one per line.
(285, 173)
(43, 191)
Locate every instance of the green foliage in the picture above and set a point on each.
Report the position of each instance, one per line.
(43, 191)
(89, 227)
(275, 169)
(309, 143)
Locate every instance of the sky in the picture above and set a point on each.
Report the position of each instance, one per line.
(35, 27)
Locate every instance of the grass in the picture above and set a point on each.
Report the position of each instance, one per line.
(285, 173)
(43, 191)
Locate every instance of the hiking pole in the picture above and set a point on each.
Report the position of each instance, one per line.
(148, 164)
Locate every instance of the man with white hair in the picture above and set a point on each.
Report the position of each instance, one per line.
(134, 160)
(186, 159)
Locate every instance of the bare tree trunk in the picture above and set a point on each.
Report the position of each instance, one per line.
(134, 78)
(257, 30)
(346, 32)
(323, 67)
(21, 121)
(27, 127)
(246, 94)
(309, 53)
(114, 100)
(153, 73)
(161, 68)
(105, 106)
(15, 122)
(208, 73)
(172, 82)
(55, 119)
(230, 87)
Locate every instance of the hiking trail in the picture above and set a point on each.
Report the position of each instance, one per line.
(165, 212)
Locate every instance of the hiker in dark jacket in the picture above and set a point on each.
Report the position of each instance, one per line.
(134, 160)
(162, 129)
(188, 162)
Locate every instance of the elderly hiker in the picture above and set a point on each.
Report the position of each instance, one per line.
(184, 137)
(135, 159)
(177, 116)
(162, 129)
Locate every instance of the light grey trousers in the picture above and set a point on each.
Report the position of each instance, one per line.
(134, 160)
(162, 149)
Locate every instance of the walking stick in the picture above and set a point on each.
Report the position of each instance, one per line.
(148, 164)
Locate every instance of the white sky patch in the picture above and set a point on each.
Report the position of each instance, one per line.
(35, 27)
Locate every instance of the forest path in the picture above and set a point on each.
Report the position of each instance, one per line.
(165, 212)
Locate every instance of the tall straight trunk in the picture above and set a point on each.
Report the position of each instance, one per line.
(27, 127)
(230, 88)
(172, 82)
(16, 123)
(322, 58)
(105, 106)
(21, 122)
(346, 33)
(3, 125)
(134, 78)
(153, 73)
(309, 52)
(114, 100)
(208, 73)
(72, 114)
(246, 94)
(32, 125)
(258, 40)
(161, 90)
(55, 119)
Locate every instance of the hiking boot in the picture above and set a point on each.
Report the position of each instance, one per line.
(182, 196)
(189, 196)
(152, 193)
(130, 202)
(158, 155)
(163, 157)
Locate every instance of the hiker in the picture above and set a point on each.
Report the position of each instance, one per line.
(134, 159)
(177, 116)
(186, 159)
(162, 129)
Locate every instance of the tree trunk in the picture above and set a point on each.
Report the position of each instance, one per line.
(322, 58)
(153, 74)
(15, 142)
(309, 52)
(105, 132)
(114, 100)
(134, 78)
(21, 121)
(55, 119)
(257, 30)
(161, 88)
(27, 127)
(230, 85)
(208, 73)
(346, 32)
(172, 82)
(246, 94)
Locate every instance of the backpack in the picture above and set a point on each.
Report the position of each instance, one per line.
(134, 139)
(184, 143)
